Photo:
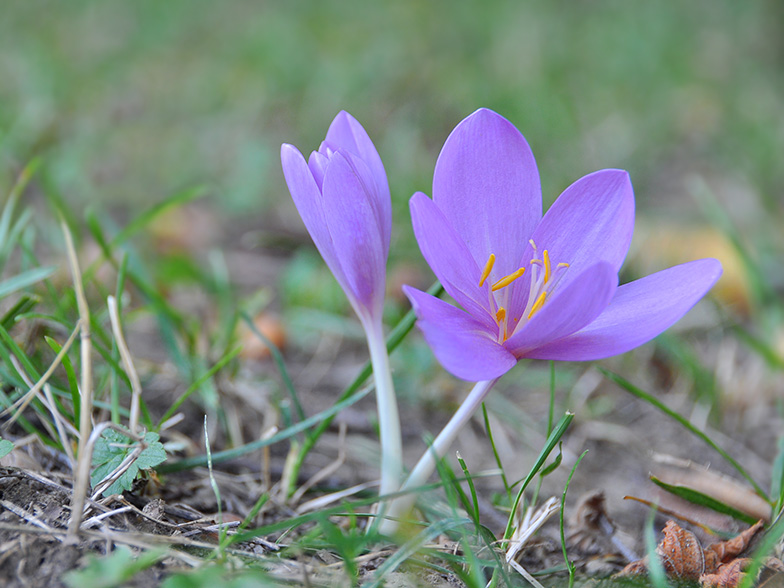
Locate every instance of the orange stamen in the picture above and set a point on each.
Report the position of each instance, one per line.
(538, 304)
(501, 314)
(546, 258)
(487, 270)
(503, 282)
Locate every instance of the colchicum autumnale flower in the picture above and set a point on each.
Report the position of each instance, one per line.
(532, 286)
(342, 195)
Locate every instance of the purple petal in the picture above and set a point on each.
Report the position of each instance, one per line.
(572, 306)
(352, 224)
(346, 132)
(307, 198)
(591, 221)
(487, 184)
(450, 260)
(317, 163)
(640, 311)
(460, 343)
(365, 177)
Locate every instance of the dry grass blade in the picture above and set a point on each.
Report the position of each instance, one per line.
(82, 475)
(125, 355)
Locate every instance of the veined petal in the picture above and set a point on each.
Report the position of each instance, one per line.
(487, 185)
(460, 343)
(450, 259)
(317, 163)
(570, 309)
(310, 205)
(346, 132)
(353, 227)
(591, 221)
(638, 312)
(380, 212)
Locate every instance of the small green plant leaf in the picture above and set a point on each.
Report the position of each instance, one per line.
(696, 497)
(113, 570)
(110, 451)
(5, 447)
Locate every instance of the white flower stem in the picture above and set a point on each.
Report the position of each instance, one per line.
(388, 419)
(400, 507)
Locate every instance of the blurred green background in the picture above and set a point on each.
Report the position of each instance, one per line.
(130, 101)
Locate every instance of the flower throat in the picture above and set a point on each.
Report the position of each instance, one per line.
(544, 279)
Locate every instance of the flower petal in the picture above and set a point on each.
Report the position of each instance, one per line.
(591, 221)
(310, 205)
(487, 184)
(450, 259)
(638, 312)
(352, 223)
(346, 132)
(571, 308)
(460, 343)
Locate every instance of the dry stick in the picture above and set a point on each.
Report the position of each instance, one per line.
(82, 475)
(130, 370)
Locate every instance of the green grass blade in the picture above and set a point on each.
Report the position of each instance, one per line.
(777, 477)
(22, 306)
(696, 497)
(569, 565)
(655, 568)
(495, 454)
(197, 384)
(656, 403)
(146, 217)
(25, 279)
(70, 375)
(277, 357)
(411, 547)
(229, 454)
(549, 445)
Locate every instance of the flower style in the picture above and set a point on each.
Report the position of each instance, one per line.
(342, 195)
(532, 286)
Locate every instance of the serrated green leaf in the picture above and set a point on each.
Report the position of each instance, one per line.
(110, 451)
(696, 497)
(5, 447)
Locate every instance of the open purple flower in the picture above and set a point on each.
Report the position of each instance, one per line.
(533, 286)
(342, 195)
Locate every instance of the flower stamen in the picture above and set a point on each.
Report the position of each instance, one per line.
(538, 304)
(487, 270)
(546, 258)
(501, 314)
(504, 282)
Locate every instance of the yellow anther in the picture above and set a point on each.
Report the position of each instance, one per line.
(487, 270)
(538, 304)
(546, 258)
(503, 282)
(501, 314)
(562, 264)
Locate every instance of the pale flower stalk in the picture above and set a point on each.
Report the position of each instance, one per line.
(342, 195)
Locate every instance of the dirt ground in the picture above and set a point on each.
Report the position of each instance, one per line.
(626, 439)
